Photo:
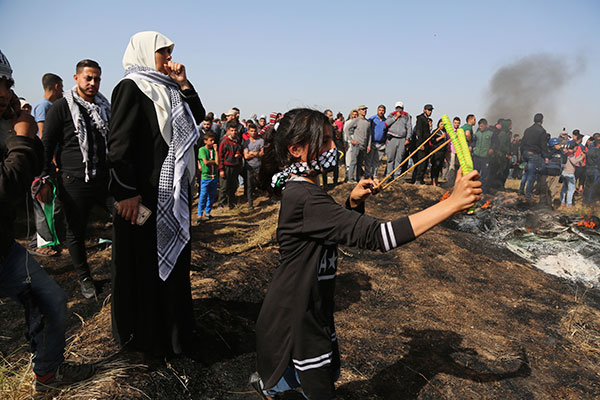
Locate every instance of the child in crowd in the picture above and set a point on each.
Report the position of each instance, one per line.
(253, 150)
(230, 157)
(568, 175)
(297, 346)
(208, 164)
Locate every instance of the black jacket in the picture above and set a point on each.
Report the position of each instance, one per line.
(296, 323)
(23, 161)
(422, 130)
(535, 141)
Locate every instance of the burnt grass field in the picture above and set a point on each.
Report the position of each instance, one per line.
(448, 316)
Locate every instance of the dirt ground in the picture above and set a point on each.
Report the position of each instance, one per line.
(448, 316)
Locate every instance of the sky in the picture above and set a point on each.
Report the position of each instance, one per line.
(265, 56)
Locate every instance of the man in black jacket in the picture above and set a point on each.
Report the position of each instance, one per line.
(534, 149)
(75, 133)
(422, 132)
(21, 277)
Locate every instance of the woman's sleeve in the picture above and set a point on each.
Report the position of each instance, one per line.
(125, 108)
(193, 100)
(324, 219)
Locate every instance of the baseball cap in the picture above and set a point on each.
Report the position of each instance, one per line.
(428, 107)
(262, 116)
(362, 107)
(399, 104)
(24, 102)
(5, 69)
(231, 111)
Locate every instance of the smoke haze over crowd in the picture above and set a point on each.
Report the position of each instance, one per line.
(530, 85)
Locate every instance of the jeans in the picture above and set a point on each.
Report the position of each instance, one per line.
(395, 151)
(568, 189)
(290, 381)
(533, 165)
(374, 158)
(208, 195)
(78, 198)
(48, 344)
(251, 177)
(481, 164)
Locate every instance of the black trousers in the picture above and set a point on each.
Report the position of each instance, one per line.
(78, 199)
(419, 172)
(251, 184)
(228, 186)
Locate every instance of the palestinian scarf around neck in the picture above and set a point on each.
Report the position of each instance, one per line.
(326, 160)
(99, 114)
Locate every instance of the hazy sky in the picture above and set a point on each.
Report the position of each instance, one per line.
(264, 56)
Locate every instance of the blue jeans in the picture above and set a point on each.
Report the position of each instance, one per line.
(49, 343)
(481, 164)
(568, 189)
(208, 194)
(290, 381)
(533, 164)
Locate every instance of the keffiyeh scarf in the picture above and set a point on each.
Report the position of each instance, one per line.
(99, 113)
(173, 212)
(326, 160)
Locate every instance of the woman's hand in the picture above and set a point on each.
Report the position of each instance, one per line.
(177, 72)
(363, 189)
(128, 208)
(467, 190)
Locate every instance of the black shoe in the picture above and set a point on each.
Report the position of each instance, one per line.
(66, 374)
(257, 385)
(88, 289)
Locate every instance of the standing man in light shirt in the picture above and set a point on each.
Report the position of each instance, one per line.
(359, 131)
(399, 133)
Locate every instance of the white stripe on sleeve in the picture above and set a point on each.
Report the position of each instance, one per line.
(392, 235)
(384, 235)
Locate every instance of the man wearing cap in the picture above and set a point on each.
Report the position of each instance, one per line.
(422, 132)
(21, 277)
(262, 122)
(399, 132)
(359, 132)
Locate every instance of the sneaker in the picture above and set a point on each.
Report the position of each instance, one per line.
(257, 385)
(66, 374)
(88, 290)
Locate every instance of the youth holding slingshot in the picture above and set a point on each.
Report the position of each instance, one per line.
(296, 339)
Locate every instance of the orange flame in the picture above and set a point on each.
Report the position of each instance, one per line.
(445, 196)
(487, 204)
(587, 221)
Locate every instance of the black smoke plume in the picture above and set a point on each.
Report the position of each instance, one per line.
(530, 85)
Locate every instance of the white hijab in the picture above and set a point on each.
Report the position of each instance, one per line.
(140, 51)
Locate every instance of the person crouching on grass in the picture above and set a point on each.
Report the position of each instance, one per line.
(297, 344)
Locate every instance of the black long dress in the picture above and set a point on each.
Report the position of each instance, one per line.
(153, 316)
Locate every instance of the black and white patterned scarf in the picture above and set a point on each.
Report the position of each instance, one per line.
(173, 212)
(326, 160)
(99, 113)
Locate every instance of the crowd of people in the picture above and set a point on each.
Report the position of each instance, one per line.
(139, 157)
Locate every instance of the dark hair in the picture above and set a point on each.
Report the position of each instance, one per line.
(469, 117)
(236, 109)
(250, 125)
(231, 124)
(483, 121)
(325, 112)
(87, 63)
(539, 117)
(210, 115)
(210, 135)
(381, 105)
(208, 119)
(299, 126)
(49, 80)
(456, 119)
(339, 115)
(223, 117)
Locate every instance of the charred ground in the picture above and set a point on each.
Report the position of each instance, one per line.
(451, 315)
